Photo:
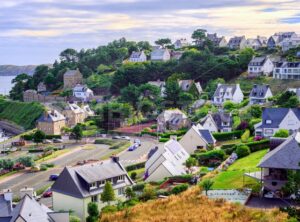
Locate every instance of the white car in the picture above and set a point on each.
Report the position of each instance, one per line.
(125, 138)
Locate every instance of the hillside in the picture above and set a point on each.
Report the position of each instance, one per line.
(190, 206)
(11, 70)
(22, 114)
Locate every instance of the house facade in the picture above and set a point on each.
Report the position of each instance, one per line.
(217, 122)
(82, 92)
(72, 78)
(27, 210)
(181, 43)
(187, 84)
(274, 119)
(160, 55)
(197, 138)
(74, 114)
(287, 70)
(237, 42)
(138, 57)
(290, 43)
(278, 37)
(167, 161)
(260, 66)
(259, 94)
(86, 183)
(226, 92)
(172, 119)
(256, 43)
(51, 122)
(217, 41)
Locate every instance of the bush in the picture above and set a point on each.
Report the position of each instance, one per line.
(228, 135)
(133, 175)
(211, 158)
(282, 133)
(245, 136)
(179, 188)
(104, 141)
(109, 209)
(138, 187)
(242, 151)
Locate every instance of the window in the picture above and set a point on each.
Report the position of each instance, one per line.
(102, 183)
(94, 198)
(268, 121)
(93, 185)
(120, 177)
(121, 191)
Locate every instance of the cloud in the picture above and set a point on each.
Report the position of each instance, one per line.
(88, 23)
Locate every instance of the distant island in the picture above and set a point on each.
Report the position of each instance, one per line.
(12, 70)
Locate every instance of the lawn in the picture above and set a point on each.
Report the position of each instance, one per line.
(53, 155)
(233, 178)
(139, 174)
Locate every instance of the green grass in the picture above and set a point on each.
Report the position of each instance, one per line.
(8, 174)
(139, 174)
(22, 114)
(90, 132)
(53, 155)
(233, 178)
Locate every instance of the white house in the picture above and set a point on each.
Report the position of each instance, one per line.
(77, 186)
(226, 92)
(259, 94)
(82, 92)
(167, 161)
(87, 110)
(237, 42)
(278, 37)
(274, 119)
(290, 43)
(217, 122)
(287, 70)
(160, 55)
(197, 138)
(217, 41)
(138, 57)
(186, 85)
(180, 43)
(260, 66)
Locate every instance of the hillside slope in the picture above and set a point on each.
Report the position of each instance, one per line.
(22, 114)
(11, 70)
(190, 206)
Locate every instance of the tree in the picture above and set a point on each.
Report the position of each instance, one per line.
(74, 218)
(255, 111)
(282, 133)
(40, 74)
(108, 193)
(39, 136)
(199, 36)
(185, 99)
(293, 184)
(93, 212)
(190, 162)
(212, 86)
(163, 42)
(130, 95)
(77, 132)
(293, 102)
(6, 164)
(129, 193)
(229, 105)
(26, 161)
(207, 185)
(242, 151)
(21, 83)
(245, 57)
(148, 193)
(172, 92)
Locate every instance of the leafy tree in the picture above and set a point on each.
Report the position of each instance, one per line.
(293, 184)
(242, 151)
(245, 57)
(293, 102)
(229, 105)
(163, 42)
(129, 193)
(191, 161)
(130, 95)
(39, 136)
(199, 36)
(40, 74)
(147, 106)
(172, 93)
(148, 193)
(93, 212)
(282, 133)
(77, 132)
(108, 193)
(6, 164)
(185, 99)
(21, 83)
(255, 111)
(26, 161)
(207, 185)
(69, 55)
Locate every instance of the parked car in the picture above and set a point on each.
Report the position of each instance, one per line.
(137, 141)
(57, 141)
(47, 193)
(133, 147)
(53, 177)
(47, 141)
(34, 169)
(116, 137)
(125, 138)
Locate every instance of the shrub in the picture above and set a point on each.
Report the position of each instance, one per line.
(133, 175)
(245, 136)
(242, 151)
(179, 188)
(229, 105)
(282, 133)
(211, 158)
(164, 140)
(109, 209)
(228, 135)
(243, 125)
(104, 141)
(138, 187)
(258, 145)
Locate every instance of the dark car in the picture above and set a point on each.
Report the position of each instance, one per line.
(47, 193)
(53, 177)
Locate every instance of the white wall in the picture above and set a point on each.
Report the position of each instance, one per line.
(191, 140)
(160, 173)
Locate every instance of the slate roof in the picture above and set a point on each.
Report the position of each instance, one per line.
(290, 65)
(136, 55)
(207, 136)
(236, 40)
(74, 181)
(220, 117)
(224, 88)
(5, 208)
(276, 115)
(259, 91)
(81, 88)
(285, 156)
(158, 53)
(258, 61)
(74, 107)
(51, 116)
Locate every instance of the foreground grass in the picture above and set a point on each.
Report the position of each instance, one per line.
(234, 177)
(193, 207)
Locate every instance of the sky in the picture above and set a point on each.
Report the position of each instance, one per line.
(36, 31)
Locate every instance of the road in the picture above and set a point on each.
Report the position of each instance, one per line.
(79, 153)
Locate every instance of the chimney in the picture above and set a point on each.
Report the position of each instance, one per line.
(115, 158)
(8, 197)
(26, 191)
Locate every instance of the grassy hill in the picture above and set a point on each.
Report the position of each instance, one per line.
(191, 206)
(277, 85)
(22, 114)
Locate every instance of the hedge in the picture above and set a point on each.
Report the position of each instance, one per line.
(104, 141)
(253, 146)
(29, 137)
(135, 166)
(228, 135)
(163, 140)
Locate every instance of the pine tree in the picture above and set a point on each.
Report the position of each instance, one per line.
(108, 193)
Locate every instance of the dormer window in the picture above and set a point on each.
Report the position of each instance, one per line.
(120, 178)
(101, 183)
(93, 186)
(268, 121)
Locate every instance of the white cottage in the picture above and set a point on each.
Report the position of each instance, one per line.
(226, 92)
(160, 55)
(259, 94)
(260, 66)
(138, 57)
(82, 92)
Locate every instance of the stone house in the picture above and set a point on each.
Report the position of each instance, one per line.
(217, 41)
(172, 119)
(74, 114)
(51, 122)
(72, 78)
